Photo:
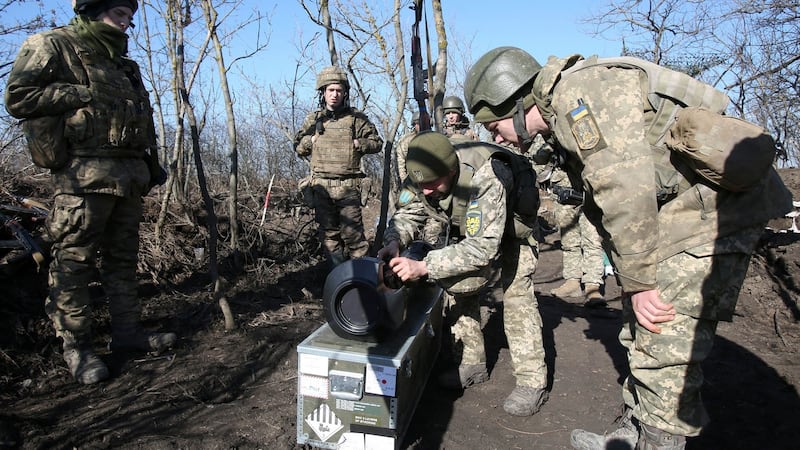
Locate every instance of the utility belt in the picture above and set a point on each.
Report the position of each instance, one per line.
(350, 181)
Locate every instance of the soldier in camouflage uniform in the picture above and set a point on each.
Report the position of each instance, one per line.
(681, 246)
(456, 123)
(336, 137)
(581, 252)
(80, 74)
(432, 231)
(471, 190)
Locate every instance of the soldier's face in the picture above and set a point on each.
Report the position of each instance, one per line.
(118, 17)
(334, 95)
(453, 117)
(438, 188)
(503, 131)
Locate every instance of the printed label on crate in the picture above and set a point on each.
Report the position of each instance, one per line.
(313, 364)
(352, 441)
(381, 380)
(311, 386)
(323, 422)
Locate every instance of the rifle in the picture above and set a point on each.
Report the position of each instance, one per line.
(22, 239)
(9, 219)
(419, 73)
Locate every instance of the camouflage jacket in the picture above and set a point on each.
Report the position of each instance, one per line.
(108, 118)
(401, 150)
(470, 259)
(600, 116)
(333, 154)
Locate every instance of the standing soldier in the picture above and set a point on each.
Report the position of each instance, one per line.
(581, 251)
(467, 184)
(456, 123)
(680, 239)
(88, 118)
(336, 137)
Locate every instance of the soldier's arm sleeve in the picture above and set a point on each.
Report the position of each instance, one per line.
(369, 141)
(484, 226)
(302, 140)
(33, 89)
(408, 220)
(620, 178)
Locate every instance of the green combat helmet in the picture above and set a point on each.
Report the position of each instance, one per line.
(331, 75)
(495, 82)
(93, 8)
(430, 157)
(453, 103)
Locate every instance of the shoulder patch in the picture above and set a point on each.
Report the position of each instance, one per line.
(472, 204)
(473, 222)
(585, 130)
(405, 197)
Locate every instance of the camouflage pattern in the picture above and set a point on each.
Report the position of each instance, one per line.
(469, 264)
(581, 248)
(98, 206)
(666, 377)
(336, 176)
(433, 228)
(460, 131)
(692, 245)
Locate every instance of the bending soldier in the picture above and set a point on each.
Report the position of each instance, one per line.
(680, 240)
(461, 182)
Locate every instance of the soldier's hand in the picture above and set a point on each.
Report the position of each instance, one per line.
(650, 310)
(408, 269)
(389, 251)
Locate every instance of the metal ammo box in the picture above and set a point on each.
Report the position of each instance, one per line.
(361, 394)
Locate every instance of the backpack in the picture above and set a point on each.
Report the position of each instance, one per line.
(732, 154)
(523, 196)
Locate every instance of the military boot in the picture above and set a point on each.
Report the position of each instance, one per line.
(84, 365)
(593, 297)
(525, 401)
(463, 377)
(623, 438)
(570, 288)
(651, 438)
(139, 340)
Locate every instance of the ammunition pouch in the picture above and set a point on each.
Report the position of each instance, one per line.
(46, 142)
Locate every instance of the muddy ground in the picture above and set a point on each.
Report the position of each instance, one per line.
(237, 389)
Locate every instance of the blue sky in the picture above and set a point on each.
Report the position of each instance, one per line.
(541, 27)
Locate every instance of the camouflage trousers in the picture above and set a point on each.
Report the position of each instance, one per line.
(521, 320)
(582, 253)
(80, 227)
(337, 207)
(666, 376)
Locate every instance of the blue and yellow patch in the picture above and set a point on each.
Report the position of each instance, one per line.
(405, 197)
(473, 222)
(584, 129)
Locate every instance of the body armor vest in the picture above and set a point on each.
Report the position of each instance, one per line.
(333, 152)
(117, 122)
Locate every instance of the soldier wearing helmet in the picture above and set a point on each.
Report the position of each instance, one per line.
(456, 123)
(666, 229)
(458, 183)
(335, 137)
(88, 119)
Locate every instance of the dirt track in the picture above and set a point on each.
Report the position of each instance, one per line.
(237, 389)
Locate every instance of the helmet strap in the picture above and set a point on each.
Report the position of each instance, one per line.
(519, 126)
